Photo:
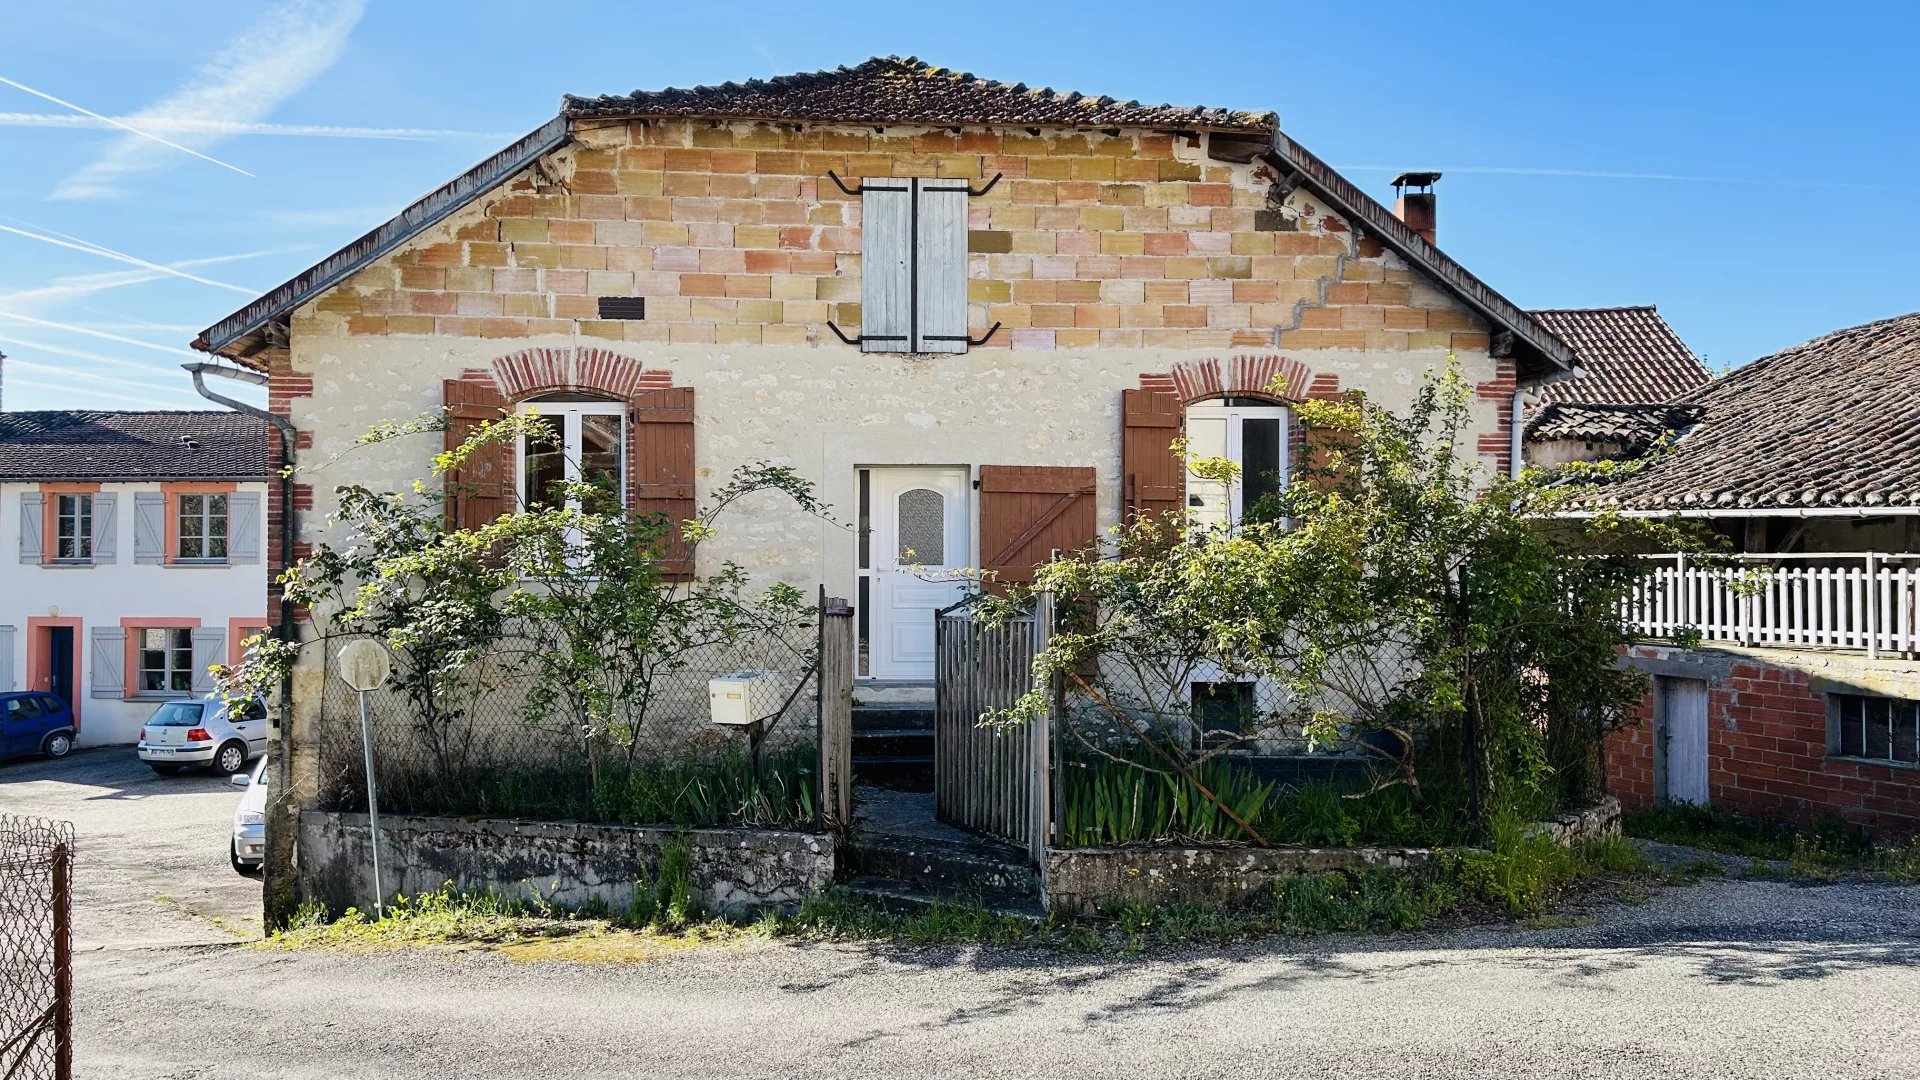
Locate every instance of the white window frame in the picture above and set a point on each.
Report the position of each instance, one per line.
(206, 517)
(82, 522)
(565, 416)
(169, 670)
(1235, 412)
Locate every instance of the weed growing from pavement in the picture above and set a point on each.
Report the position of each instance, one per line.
(1827, 850)
(1525, 875)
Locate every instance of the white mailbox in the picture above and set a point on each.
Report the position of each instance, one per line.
(742, 697)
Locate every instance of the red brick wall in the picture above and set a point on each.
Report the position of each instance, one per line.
(1767, 754)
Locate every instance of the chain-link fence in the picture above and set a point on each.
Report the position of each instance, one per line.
(633, 743)
(36, 948)
(1166, 750)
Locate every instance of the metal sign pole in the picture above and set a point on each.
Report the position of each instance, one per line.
(373, 800)
(365, 665)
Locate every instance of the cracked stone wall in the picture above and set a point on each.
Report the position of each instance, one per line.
(570, 863)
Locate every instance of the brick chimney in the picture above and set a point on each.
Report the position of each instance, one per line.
(1416, 207)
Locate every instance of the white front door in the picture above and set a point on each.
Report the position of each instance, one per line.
(919, 521)
(1683, 736)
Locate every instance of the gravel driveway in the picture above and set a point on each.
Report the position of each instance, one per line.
(151, 866)
(1728, 978)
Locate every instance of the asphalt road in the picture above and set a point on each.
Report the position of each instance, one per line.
(1724, 979)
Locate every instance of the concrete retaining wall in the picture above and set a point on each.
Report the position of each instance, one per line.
(1082, 881)
(570, 863)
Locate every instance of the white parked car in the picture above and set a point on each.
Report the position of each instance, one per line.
(249, 847)
(181, 734)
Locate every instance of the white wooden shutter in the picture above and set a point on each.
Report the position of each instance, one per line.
(106, 526)
(886, 256)
(6, 658)
(149, 527)
(243, 527)
(940, 267)
(109, 662)
(30, 509)
(209, 647)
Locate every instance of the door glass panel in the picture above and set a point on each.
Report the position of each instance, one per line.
(546, 467)
(1260, 467)
(922, 527)
(600, 453)
(1207, 498)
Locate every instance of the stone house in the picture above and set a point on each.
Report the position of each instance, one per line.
(973, 313)
(1804, 698)
(140, 557)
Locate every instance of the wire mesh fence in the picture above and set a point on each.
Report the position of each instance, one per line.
(495, 739)
(36, 948)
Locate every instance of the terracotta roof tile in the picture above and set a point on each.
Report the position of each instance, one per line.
(896, 90)
(1632, 427)
(1831, 423)
(87, 445)
(1630, 354)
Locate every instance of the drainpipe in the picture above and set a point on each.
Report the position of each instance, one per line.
(1513, 454)
(283, 819)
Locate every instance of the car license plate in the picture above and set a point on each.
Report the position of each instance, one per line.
(158, 750)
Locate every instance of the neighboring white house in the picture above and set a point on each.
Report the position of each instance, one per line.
(131, 551)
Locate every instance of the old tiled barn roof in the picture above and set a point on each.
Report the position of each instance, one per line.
(1631, 427)
(890, 89)
(1832, 423)
(86, 445)
(1630, 356)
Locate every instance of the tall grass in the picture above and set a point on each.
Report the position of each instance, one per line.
(720, 788)
(1104, 801)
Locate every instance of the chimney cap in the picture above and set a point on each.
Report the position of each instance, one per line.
(1415, 179)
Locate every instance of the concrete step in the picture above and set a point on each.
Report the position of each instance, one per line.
(893, 742)
(975, 866)
(893, 717)
(901, 772)
(905, 897)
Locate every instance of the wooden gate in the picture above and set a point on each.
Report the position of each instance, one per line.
(993, 780)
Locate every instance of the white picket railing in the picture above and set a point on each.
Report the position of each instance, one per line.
(1856, 600)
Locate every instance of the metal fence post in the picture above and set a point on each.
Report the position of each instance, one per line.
(62, 881)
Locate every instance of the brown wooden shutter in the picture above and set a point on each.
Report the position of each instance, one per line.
(1027, 512)
(1153, 479)
(482, 489)
(661, 455)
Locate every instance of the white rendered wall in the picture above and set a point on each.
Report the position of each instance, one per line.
(103, 595)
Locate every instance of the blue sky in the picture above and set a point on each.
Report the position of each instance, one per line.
(1745, 167)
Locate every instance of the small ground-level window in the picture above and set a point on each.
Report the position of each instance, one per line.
(165, 656)
(1253, 435)
(1875, 728)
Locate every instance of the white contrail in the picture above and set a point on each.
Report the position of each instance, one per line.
(197, 126)
(68, 388)
(131, 260)
(122, 125)
(81, 354)
(171, 382)
(293, 43)
(78, 285)
(101, 334)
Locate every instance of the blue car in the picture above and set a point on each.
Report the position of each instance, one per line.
(35, 723)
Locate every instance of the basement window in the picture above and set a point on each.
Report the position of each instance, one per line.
(1877, 729)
